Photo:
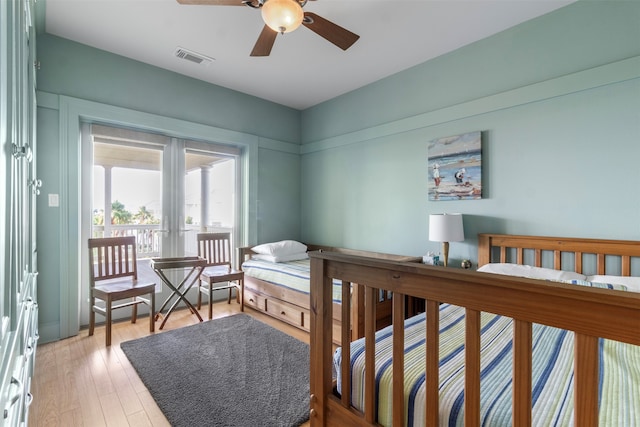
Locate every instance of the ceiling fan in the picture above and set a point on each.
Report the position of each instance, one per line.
(283, 16)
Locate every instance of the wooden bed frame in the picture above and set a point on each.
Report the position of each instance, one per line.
(293, 307)
(589, 312)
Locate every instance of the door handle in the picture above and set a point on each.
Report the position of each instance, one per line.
(165, 222)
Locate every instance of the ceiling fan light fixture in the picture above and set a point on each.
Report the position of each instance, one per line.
(282, 16)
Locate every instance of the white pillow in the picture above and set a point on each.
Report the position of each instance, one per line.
(632, 283)
(283, 247)
(531, 272)
(281, 258)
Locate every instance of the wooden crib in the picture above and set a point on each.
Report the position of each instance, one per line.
(588, 312)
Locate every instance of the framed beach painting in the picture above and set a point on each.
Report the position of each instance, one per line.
(455, 167)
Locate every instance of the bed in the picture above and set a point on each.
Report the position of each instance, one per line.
(600, 321)
(282, 290)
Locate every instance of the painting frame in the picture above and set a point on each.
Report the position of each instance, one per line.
(455, 167)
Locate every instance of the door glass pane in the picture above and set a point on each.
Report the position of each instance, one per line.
(210, 195)
(127, 189)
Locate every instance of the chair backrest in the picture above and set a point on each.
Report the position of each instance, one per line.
(215, 248)
(112, 257)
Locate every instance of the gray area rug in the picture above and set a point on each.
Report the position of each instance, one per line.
(233, 371)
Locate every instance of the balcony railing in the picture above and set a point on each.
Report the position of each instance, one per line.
(149, 236)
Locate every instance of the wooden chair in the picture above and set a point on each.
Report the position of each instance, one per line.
(218, 274)
(113, 276)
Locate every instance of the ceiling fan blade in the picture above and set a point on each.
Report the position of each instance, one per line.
(213, 2)
(265, 42)
(337, 35)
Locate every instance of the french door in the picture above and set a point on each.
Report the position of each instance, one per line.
(162, 190)
(210, 192)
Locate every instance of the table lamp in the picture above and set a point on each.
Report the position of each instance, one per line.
(446, 228)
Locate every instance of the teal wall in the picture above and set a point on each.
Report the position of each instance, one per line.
(558, 102)
(80, 71)
(48, 225)
(577, 37)
(279, 174)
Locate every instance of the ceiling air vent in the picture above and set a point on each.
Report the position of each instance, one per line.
(192, 56)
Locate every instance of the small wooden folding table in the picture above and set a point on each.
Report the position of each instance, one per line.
(194, 265)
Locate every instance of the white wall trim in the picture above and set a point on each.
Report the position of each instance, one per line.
(275, 145)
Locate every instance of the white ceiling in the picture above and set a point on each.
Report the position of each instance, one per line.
(303, 68)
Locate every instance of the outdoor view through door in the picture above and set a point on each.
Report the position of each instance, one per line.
(160, 189)
(127, 194)
(209, 195)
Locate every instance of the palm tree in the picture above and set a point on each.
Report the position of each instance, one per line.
(144, 216)
(98, 217)
(119, 215)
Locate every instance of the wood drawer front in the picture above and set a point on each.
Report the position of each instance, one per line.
(254, 300)
(289, 313)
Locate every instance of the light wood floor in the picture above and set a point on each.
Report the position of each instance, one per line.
(80, 382)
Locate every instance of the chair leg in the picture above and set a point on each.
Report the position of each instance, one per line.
(199, 296)
(241, 291)
(92, 316)
(108, 321)
(229, 296)
(152, 311)
(134, 312)
(210, 302)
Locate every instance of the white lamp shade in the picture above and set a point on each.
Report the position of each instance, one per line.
(446, 228)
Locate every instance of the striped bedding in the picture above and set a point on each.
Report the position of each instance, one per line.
(552, 373)
(293, 275)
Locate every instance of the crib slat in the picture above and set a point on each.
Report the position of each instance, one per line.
(578, 262)
(601, 265)
(371, 296)
(398, 359)
(557, 260)
(585, 394)
(357, 311)
(432, 381)
(522, 339)
(472, 368)
(345, 366)
(626, 265)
